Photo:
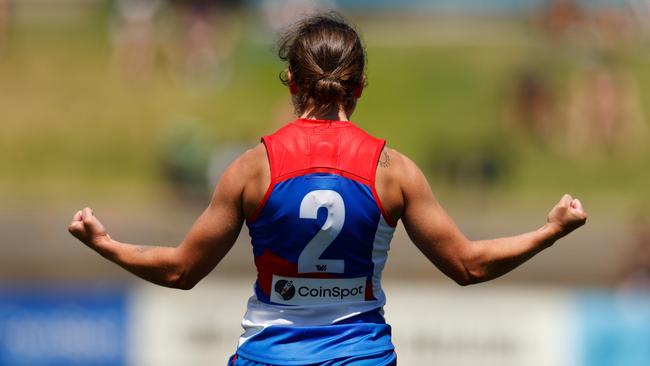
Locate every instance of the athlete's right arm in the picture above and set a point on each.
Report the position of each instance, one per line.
(463, 260)
(207, 242)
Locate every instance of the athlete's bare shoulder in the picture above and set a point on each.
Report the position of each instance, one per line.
(253, 171)
(400, 182)
(393, 169)
(394, 165)
(253, 159)
(395, 160)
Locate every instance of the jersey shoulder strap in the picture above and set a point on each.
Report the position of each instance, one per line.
(341, 147)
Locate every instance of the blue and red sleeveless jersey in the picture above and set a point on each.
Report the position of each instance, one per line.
(320, 239)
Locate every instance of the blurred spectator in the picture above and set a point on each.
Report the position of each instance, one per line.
(560, 16)
(605, 113)
(207, 40)
(611, 25)
(533, 109)
(636, 271)
(604, 25)
(641, 13)
(134, 37)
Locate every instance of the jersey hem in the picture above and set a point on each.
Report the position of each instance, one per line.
(301, 362)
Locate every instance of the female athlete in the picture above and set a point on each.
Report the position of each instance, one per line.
(321, 199)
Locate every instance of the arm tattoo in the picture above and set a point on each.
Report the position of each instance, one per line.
(142, 249)
(384, 159)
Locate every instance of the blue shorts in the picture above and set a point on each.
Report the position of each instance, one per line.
(388, 358)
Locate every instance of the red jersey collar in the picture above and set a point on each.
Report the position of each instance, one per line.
(309, 121)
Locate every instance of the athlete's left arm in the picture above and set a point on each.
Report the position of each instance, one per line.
(472, 261)
(183, 266)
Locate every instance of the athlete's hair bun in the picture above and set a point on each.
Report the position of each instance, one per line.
(329, 89)
(326, 60)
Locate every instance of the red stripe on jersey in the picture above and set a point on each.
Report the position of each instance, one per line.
(389, 220)
(369, 294)
(269, 264)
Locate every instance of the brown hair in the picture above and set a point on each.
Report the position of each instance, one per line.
(326, 59)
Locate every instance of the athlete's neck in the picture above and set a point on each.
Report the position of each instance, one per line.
(333, 115)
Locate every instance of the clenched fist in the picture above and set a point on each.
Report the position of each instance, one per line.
(87, 228)
(567, 215)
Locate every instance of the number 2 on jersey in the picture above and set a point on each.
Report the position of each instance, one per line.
(309, 260)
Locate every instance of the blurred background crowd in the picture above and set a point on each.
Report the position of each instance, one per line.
(135, 108)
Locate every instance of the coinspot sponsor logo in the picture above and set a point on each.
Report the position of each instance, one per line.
(306, 291)
(285, 289)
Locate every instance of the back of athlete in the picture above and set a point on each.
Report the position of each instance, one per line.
(321, 198)
(320, 238)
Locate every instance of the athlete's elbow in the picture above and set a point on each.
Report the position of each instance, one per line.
(185, 285)
(472, 277)
(462, 280)
(473, 271)
(465, 269)
(182, 280)
(467, 278)
(464, 276)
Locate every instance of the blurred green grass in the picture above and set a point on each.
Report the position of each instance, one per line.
(70, 121)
